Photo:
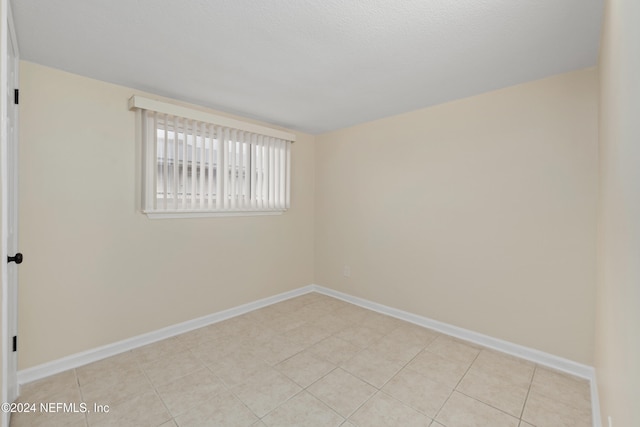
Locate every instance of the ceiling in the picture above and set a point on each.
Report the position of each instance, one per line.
(311, 65)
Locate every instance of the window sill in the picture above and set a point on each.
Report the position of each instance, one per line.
(207, 214)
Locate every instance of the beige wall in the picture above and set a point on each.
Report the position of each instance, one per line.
(97, 270)
(480, 213)
(618, 308)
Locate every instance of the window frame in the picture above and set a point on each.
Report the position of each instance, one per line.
(257, 137)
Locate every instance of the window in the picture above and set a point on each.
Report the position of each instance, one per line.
(198, 164)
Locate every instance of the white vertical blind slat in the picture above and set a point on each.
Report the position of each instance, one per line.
(225, 171)
(206, 167)
(259, 177)
(193, 134)
(210, 169)
(253, 181)
(241, 135)
(234, 150)
(282, 152)
(265, 173)
(148, 129)
(272, 174)
(219, 166)
(246, 153)
(276, 175)
(288, 172)
(165, 163)
(174, 192)
(202, 163)
(185, 151)
(155, 159)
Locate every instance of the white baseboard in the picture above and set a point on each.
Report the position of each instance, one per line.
(595, 402)
(536, 356)
(539, 357)
(99, 353)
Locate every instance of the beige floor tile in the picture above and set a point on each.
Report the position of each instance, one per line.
(413, 334)
(418, 391)
(44, 390)
(209, 352)
(306, 335)
(270, 355)
(383, 410)
(568, 389)
(278, 349)
(291, 305)
(284, 323)
(454, 349)
(163, 371)
(237, 368)
(144, 410)
(264, 314)
(514, 370)
(310, 312)
(233, 326)
(496, 390)
(266, 391)
(343, 392)
(119, 387)
(438, 368)
(107, 370)
(170, 347)
(198, 336)
(395, 349)
(463, 411)
(360, 335)
(334, 349)
(326, 305)
(190, 391)
(331, 323)
(381, 323)
(49, 420)
(304, 368)
(222, 410)
(303, 410)
(257, 331)
(543, 411)
(372, 367)
(351, 314)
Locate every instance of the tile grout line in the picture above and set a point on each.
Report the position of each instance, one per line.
(378, 390)
(456, 386)
(524, 405)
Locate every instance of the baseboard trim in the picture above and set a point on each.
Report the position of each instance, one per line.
(536, 356)
(595, 402)
(545, 359)
(76, 360)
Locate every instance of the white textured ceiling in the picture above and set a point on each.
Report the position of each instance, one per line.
(311, 65)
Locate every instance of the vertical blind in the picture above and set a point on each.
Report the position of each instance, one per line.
(198, 166)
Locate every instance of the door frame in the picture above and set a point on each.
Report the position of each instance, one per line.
(10, 388)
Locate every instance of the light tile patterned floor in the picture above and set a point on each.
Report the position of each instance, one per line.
(313, 361)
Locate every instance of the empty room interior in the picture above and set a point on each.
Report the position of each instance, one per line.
(321, 213)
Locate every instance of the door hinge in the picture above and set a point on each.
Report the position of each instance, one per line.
(16, 96)
(15, 343)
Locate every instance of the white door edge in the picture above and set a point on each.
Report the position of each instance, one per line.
(8, 184)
